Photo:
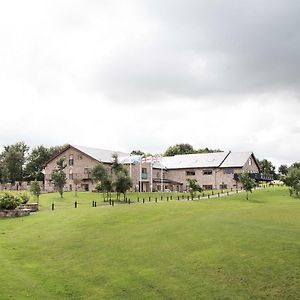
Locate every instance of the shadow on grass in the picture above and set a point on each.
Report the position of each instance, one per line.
(256, 201)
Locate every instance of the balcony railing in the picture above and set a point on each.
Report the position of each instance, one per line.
(256, 176)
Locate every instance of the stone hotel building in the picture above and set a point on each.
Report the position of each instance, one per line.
(212, 170)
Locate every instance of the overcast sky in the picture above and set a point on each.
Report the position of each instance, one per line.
(126, 75)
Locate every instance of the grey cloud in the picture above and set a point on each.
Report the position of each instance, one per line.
(204, 48)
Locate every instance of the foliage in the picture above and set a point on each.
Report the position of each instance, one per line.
(268, 168)
(292, 180)
(116, 165)
(193, 187)
(35, 188)
(138, 152)
(248, 183)
(186, 149)
(13, 160)
(9, 201)
(123, 183)
(24, 198)
(36, 161)
(283, 170)
(58, 176)
(99, 172)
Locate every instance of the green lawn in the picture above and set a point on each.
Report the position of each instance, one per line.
(224, 248)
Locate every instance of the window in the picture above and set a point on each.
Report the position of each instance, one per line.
(71, 174)
(207, 187)
(207, 172)
(228, 171)
(190, 173)
(223, 186)
(144, 170)
(71, 160)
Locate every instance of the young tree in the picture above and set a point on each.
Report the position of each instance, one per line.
(35, 189)
(193, 187)
(123, 183)
(99, 172)
(58, 176)
(248, 183)
(76, 181)
(292, 180)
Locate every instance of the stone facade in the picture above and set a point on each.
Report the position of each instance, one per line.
(80, 164)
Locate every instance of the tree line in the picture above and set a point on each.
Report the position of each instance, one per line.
(19, 163)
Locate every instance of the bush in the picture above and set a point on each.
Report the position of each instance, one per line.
(9, 201)
(24, 198)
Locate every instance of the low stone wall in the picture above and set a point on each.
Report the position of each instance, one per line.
(14, 213)
(32, 206)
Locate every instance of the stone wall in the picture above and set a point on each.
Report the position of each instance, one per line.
(14, 213)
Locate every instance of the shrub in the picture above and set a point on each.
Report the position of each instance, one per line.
(9, 201)
(24, 198)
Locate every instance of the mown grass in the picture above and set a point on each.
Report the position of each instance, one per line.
(224, 248)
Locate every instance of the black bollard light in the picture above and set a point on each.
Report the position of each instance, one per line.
(52, 206)
(75, 204)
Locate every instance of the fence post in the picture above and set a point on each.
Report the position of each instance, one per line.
(143, 200)
(149, 199)
(171, 198)
(161, 198)
(129, 201)
(52, 206)
(75, 204)
(156, 199)
(95, 204)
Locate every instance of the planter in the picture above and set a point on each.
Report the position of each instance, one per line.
(32, 206)
(13, 213)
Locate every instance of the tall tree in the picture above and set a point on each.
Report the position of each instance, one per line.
(187, 149)
(35, 163)
(13, 160)
(283, 170)
(179, 149)
(268, 168)
(138, 152)
(116, 165)
(58, 176)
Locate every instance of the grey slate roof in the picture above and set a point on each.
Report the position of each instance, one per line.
(100, 154)
(206, 160)
(236, 159)
(201, 160)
